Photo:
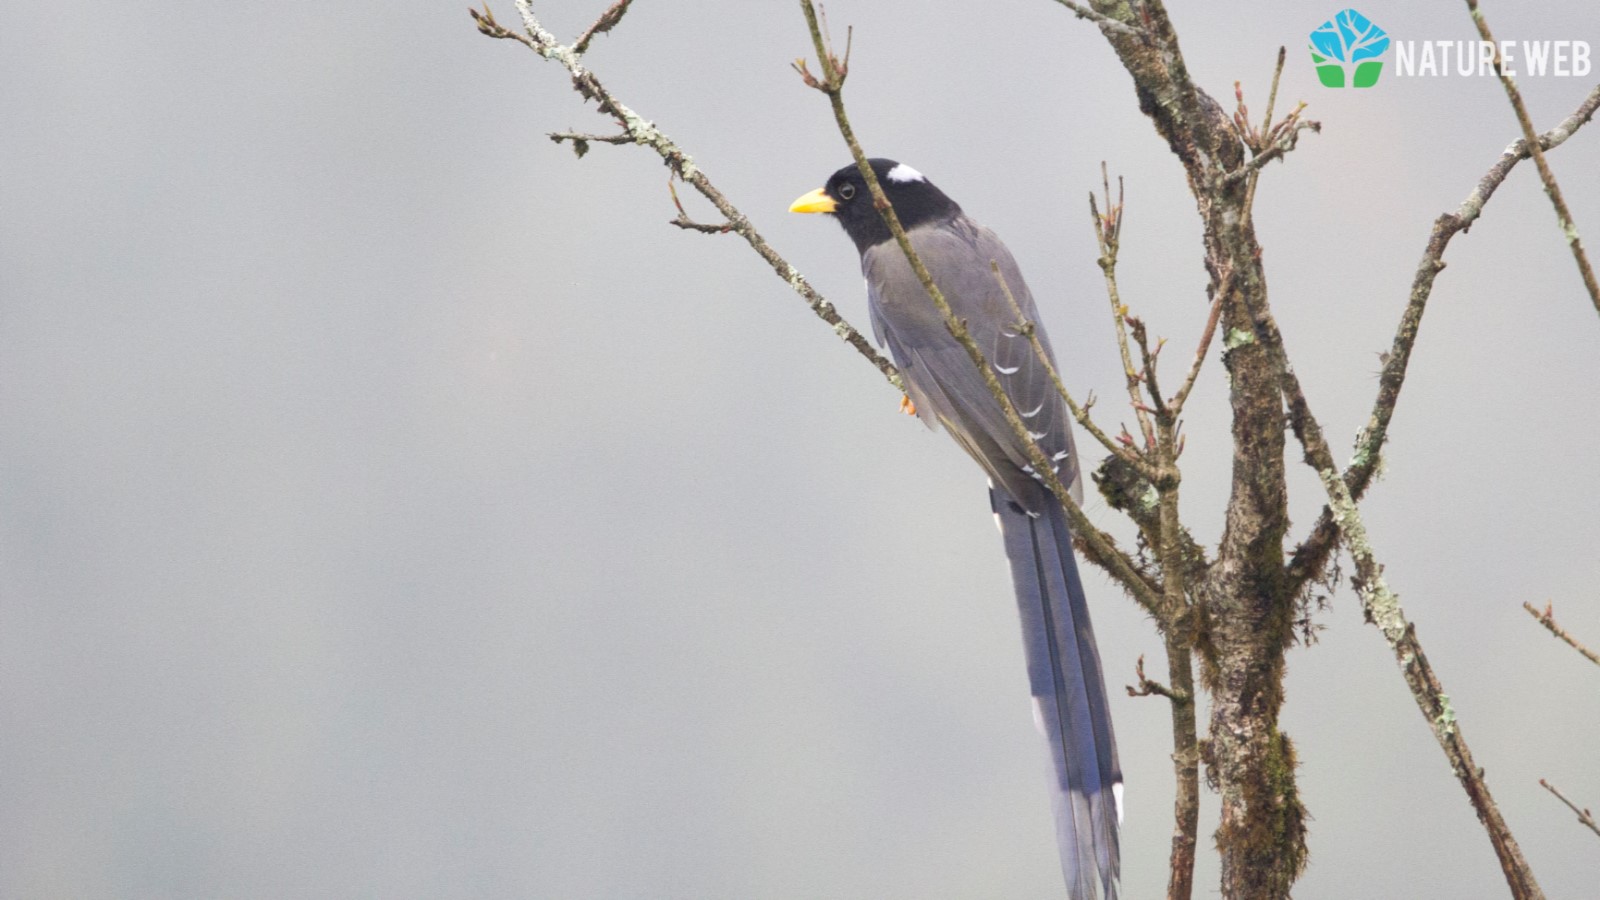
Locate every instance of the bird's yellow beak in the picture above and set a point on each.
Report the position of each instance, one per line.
(815, 202)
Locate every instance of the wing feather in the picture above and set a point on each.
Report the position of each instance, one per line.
(958, 254)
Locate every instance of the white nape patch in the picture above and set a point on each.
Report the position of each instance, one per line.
(903, 172)
(1116, 794)
(1038, 718)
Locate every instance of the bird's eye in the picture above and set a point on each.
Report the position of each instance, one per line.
(846, 191)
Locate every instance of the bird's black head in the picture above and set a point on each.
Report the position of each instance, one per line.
(916, 201)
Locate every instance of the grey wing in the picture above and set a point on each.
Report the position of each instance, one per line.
(940, 377)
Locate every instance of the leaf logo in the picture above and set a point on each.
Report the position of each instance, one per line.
(1348, 44)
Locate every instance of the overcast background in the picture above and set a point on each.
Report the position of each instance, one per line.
(392, 505)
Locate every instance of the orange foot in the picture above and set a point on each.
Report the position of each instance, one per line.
(907, 407)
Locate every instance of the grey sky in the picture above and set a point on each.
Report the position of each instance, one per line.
(392, 505)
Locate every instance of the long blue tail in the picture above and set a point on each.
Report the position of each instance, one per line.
(1069, 695)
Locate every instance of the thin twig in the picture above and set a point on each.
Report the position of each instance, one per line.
(607, 21)
(1584, 816)
(487, 25)
(1285, 142)
(683, 221)
(1147, 687)
(1175, 405)
(559, 136)
(1149, 362)
(1269, 142)
(1272, 96)
(1108, 236)
(1106, 23)
(1569, 228)
(646, 134)
(1548, 620)
(1311, 557)
(1266, 125)
(688, 224)
(1079, 413)
(1100, 548)
(581, 142)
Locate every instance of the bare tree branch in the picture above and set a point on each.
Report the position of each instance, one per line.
(1311, 557)
(1183, 569)
(687, 224)
(1080, 414)
(1271, 141)
(1108, 236)
(1256, 138)
(1548, 620)
(1569, 228)
(1283, 144)
(607, 21)
(1106, 23)
(1584, 816)
(1382, 608)
(1147, 687)
(581, 142)
(645, 134)
(1182, 397)
(1245, 621)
